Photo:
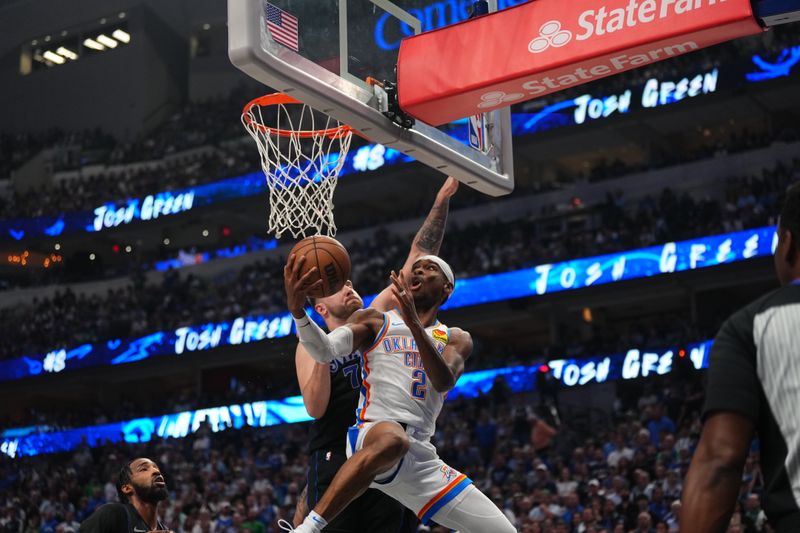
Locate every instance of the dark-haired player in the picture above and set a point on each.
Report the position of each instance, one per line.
(140, 487)
(331, 391)
(753, 388)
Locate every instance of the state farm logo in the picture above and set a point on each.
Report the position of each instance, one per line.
(550, 34)
(608, 19)
(495, 98)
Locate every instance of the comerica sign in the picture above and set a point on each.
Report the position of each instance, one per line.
(389, 31)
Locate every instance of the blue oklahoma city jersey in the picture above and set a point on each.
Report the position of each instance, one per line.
(394, 383)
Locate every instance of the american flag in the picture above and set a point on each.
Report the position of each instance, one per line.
(283, 27)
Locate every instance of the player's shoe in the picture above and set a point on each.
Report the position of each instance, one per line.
(285, 526)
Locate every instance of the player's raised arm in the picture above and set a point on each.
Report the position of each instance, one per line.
(428, 239)
(323, 347)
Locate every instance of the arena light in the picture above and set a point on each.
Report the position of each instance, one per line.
(94, 45)
(105, 40)
(53, 57)
(66, 52)
(122, 36)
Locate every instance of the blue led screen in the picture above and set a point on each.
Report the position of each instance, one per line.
(633, 364)
(542, 279)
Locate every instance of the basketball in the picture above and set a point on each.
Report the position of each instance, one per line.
(330, 258)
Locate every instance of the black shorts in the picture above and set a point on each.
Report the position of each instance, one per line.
(372, 512)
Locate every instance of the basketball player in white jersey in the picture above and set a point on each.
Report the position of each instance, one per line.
(331, 392)
(410, 361)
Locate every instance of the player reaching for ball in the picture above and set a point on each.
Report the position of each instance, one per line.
(410, 361)
(329, 260)
(330, 393)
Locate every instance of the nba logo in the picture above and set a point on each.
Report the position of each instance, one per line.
(477, 132)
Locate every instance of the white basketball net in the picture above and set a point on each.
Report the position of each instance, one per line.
(302, 152)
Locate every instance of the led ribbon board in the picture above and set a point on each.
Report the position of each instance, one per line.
(170, 203)
(634, 364)
(642, 263)
(550, 45)
(585, 108)
(543, 279)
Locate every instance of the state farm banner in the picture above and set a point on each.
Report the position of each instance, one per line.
(545, 46)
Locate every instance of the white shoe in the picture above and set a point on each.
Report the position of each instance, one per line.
(305, 527)
(285, 526)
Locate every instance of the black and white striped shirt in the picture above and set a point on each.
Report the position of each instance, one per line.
(754, 369)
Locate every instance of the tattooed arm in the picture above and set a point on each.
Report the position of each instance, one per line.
(427, 241)
(301, 509)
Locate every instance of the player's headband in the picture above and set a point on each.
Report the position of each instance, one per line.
(442, 264)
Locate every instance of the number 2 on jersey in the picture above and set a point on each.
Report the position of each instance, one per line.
(419, 388)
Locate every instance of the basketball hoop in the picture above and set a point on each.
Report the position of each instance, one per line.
(300, 160)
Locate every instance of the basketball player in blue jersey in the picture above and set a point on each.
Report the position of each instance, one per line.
(331, 391)
(410, 361)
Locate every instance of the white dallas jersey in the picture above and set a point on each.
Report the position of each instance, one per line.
(394, 383)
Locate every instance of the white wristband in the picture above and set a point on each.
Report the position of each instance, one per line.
(302, 321)
(321, 347)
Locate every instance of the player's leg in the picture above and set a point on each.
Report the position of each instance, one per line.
(436, 492)
(379, 513)
(323, 466)
(384, 445)
(474, 513)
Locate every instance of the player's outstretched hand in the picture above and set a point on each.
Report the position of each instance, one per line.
(297, 286)
(404, 298)
(448, 189)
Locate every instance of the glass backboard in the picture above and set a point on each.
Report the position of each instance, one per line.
(322, 52)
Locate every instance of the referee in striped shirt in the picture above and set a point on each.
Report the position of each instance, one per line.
(754, 389)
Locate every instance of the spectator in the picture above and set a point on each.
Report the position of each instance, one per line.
(644, 523)
(673, 517)
(658, 423)
(566, 484)
(754, 513)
